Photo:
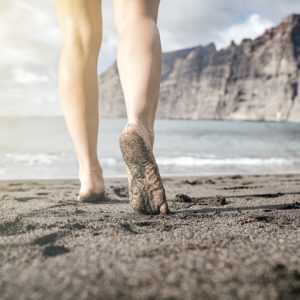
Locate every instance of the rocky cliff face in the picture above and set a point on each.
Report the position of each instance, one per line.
(256, 80)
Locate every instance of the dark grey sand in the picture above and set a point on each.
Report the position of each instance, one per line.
(243, 244)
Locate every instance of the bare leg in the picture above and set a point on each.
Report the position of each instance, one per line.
(139, 64)
(139, 59)
(81, 25)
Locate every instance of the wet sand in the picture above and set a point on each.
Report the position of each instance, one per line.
(233, 237)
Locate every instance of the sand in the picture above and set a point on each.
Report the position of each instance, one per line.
(228, 237)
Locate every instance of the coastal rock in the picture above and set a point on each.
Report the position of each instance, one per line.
(255, 80)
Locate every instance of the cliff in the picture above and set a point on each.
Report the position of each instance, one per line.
(256, 80)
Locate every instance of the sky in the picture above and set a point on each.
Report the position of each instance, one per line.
(30, 41)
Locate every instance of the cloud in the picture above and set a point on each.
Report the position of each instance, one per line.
(252, 27)
(28, 33)
(25, 77)
(188, 23)
(31, 41)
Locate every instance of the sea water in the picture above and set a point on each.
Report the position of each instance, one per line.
(41, 148)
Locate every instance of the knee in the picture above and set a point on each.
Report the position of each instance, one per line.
(82, 39)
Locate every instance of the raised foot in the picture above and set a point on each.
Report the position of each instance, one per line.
(146, 191)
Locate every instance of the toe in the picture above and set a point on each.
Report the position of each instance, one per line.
(164, 209)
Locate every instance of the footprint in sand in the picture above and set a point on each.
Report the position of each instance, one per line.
(52, 251)
(24, 199)
(47, 239)
(42, 194)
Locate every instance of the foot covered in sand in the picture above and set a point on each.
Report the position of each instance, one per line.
(146, 191)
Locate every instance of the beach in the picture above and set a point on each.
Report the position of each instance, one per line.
(228, 237)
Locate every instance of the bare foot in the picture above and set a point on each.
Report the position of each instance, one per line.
(146, 191)
(92, 185)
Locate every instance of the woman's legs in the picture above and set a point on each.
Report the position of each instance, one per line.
(139, 64)
(139, 59)
(81, 25)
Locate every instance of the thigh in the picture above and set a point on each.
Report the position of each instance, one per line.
(127, 10)
(82, 16)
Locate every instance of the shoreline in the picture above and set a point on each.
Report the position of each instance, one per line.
(164, 176)
(228, 237)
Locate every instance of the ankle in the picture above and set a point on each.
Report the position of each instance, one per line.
(146, 128)
(90, 169)
(144, 124)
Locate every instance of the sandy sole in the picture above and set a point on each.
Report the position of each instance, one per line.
(146, 191)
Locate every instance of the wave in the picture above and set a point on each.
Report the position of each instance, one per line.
(32, 159)
(187, 161)
(48, 159)
(192, 161)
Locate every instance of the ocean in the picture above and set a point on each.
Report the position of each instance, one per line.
(40, 148)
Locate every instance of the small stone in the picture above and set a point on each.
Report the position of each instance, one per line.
(209, 181)
(121, 191)
(183, 198)
(219, 200)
